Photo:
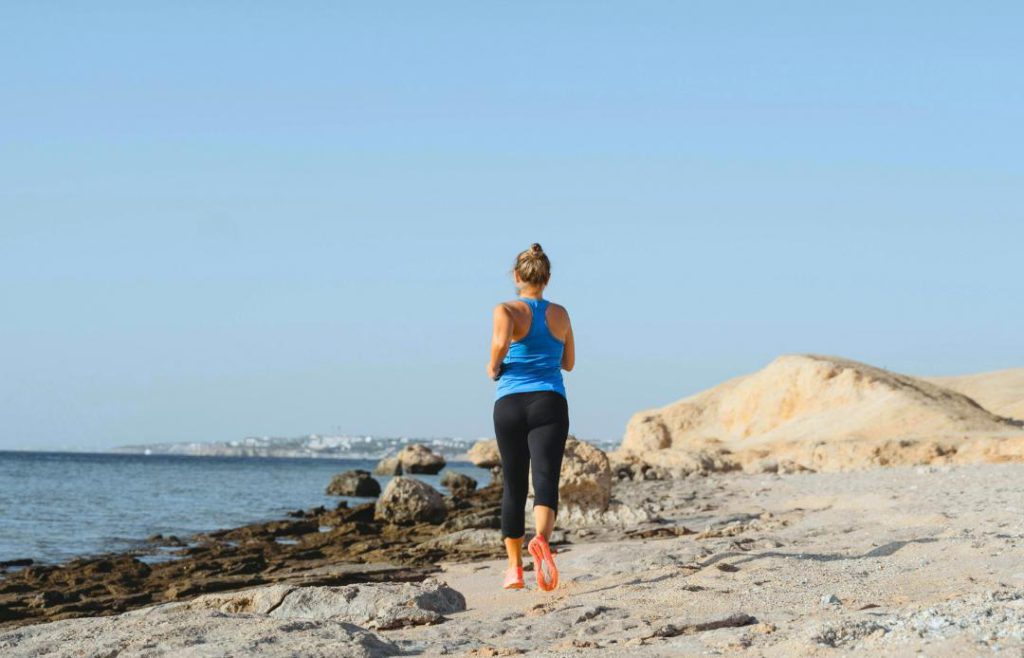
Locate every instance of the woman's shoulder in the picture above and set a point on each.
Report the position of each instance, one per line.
(558, 308)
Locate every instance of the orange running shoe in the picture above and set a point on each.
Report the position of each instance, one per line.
(541, 553)
(513, 578)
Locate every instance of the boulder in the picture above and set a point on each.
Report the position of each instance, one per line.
(418, 458)
(406, 500)
(173, 630)
(353, 483)
(458, 483)
(484, 453)
(413, 458)
(380, 606)
(388, 466)
(267, 622)
(585, 481)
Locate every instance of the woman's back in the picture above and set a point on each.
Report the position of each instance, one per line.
(534, 360)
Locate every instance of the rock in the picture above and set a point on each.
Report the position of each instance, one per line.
(173, 630)
(686, 628)
(484, 453)
(418, 458)
(48, 599)
(381, 605)
(413, 458)
(406, 500)
(766, 465)
(617, 515)
(353, 483)
(830, 599)
(20, 562)
(482, 537)
(1000, 392)
(458, 483)
(846, 632)
(388, 466)
(808, 412)
(585, 482)
(481, 519)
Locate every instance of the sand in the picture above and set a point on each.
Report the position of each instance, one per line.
(883, 562)
(915, 559)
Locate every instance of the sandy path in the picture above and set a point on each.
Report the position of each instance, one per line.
(918, 559)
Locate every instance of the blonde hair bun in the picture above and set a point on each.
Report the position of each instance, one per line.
(533, 265)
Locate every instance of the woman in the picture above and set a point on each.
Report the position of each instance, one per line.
(531, 345)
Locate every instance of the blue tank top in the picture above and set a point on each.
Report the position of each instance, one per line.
(533, 363)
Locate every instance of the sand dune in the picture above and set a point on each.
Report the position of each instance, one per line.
(1001, 392)
(822, 413)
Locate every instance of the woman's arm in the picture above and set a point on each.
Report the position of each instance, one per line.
(569, 352)
(500, 339)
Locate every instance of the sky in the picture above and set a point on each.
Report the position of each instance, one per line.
(220, 220)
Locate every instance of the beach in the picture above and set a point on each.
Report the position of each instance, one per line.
(889, 561)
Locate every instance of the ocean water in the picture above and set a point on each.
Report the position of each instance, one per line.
(59, 505)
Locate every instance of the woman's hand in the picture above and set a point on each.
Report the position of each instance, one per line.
(494, 372)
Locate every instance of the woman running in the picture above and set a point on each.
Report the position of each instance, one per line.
(531, 345)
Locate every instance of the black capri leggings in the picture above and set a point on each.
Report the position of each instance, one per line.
(529, 427)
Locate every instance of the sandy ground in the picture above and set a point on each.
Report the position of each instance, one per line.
(888, 562)
(899, 561)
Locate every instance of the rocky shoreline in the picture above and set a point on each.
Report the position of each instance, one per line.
(315, 546)
(889, 562)
(399, 537)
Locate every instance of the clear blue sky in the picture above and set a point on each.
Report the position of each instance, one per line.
(225, 219)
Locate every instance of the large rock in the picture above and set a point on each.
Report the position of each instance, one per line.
(484, 453)
(815, 412)
(418, 458)
(272, 621)
(175, 631)
(406, 500)
(380, 606)
(413, 458)
(585, 482)
(459, 484)
(353, 483)
(388, 466)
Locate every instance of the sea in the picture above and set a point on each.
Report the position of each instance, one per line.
(55, 506)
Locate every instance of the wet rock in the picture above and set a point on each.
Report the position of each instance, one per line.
(484, 453)
(48, 599)
(23, 562)
(356, 482)
(458, 483)
(406, 500)
(169, 540)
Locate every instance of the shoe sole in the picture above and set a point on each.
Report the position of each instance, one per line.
(542, 555)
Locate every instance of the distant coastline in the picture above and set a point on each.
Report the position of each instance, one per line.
(313, 446)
